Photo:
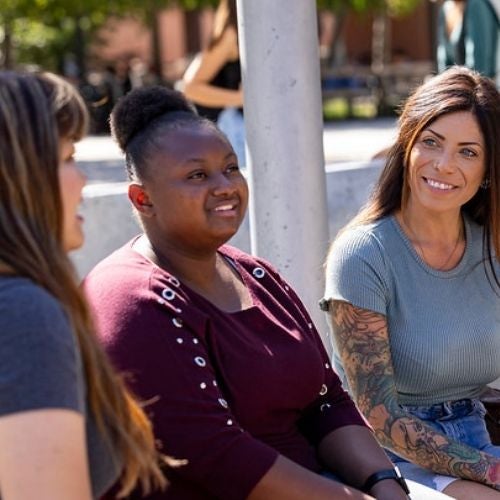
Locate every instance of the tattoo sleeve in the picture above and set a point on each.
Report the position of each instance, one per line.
(363, 344)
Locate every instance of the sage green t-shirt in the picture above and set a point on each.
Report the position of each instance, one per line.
(444, 326)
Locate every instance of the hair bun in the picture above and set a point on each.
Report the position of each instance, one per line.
(136, 110)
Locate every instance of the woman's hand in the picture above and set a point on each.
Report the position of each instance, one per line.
(43, 456)
(361, 456)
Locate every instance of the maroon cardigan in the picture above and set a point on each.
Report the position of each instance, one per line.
(226, 391)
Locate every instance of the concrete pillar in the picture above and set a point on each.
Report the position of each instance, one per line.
(283, 118)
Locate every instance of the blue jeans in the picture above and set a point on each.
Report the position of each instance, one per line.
(231, 122)
(462, 421)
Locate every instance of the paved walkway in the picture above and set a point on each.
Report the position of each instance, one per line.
(355, 140)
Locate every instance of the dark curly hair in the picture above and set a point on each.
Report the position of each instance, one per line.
(144, 114)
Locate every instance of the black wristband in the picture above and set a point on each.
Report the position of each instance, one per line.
(381, 475)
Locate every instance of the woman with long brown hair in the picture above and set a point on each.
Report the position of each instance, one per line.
(68, 427)
(413, 288)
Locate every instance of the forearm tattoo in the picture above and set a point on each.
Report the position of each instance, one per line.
(363, 344)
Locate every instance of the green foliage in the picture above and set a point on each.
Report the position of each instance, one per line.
(44, 30)
(332, 4)
(392, 7)
(340, 109)
(36, 43)
(402, 7)
(198, 4)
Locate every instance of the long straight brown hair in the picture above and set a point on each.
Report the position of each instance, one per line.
(456, 89)
(35, 112)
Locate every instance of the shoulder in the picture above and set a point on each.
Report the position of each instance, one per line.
(127, 278)
(119, 266)
(134, 301)
(364, 240)
(24, 304)
(118, 290)
(363, 253)
(358, 267)
(474, 230)
(226, 47)
(120, 281)
(40, 364)
(229, 40)
(475, 237)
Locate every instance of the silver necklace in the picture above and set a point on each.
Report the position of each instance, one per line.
(421, 249)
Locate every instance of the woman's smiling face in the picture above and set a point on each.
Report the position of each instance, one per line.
(447, 163)
(197, 193)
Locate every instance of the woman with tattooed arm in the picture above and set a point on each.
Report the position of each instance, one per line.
(413, 292)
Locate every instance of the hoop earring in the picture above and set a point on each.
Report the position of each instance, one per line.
(485, 184)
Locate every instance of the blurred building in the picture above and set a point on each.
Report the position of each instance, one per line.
(182, 34)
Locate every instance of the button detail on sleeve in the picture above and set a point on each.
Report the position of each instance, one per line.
(324, 390)
(177, 322)
(258, 272)
(174, 280)
(325, 407)
(200, 361)
(168, 294)
(223, 403)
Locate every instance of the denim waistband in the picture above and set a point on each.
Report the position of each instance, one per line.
(448, 409)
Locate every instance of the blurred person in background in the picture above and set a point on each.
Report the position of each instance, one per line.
(469, 35)
(213, 80)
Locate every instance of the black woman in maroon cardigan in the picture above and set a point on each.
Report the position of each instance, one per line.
(237, 379)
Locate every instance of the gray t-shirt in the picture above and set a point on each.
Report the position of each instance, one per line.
(40, 367)
(444, 326)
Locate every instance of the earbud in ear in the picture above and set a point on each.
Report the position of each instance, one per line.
(140, 199)
(143, 200)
